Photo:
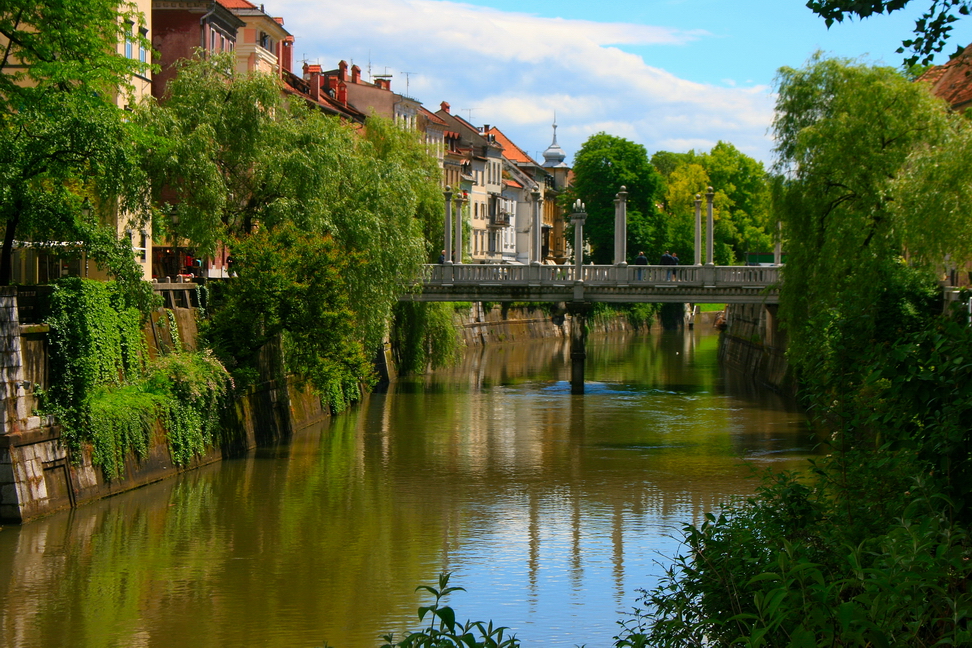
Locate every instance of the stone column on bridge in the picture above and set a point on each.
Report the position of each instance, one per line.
(698, 229)
(577, 218)
(778, 246)
(621, 227)
(709, 271)
(709, 229)
(447, 246)
(536, 242)
(457, 251)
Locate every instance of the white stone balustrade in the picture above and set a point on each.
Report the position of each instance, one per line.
(606, 283)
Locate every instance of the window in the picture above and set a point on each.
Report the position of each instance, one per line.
(142, 52)
(129, 29)
(212, 39)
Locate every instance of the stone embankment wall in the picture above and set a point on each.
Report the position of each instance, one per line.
(752, 343)
(37, 477)
(495, 323)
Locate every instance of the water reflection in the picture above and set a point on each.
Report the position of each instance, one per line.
(550, 509)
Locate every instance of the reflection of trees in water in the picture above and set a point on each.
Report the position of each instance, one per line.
(325, 537)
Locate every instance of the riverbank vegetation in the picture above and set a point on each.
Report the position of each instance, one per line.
(109, 393)
(869, 546)
(325, 223)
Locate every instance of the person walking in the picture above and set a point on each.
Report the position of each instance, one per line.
(641, 260)
(675, 262)
(442, 257)
(668, 260)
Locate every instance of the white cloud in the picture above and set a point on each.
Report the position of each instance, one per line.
(514, 70)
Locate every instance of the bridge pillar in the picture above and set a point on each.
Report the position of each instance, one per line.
(621, 227)
(709, 229)
(536, 248)
(447, 247)
(578, 344)
(698, 229)
(778, 246)
(577, 218)
(457, 253)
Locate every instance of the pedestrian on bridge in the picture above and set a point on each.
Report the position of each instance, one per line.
(668, 260)
(442, 257)
(641, 260)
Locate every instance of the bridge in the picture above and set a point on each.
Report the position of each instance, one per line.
(579, 285)
(622, 283)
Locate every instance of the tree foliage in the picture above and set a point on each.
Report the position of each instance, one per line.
(603, 165)
(870, 547)
(63, 136)
(236, 158)
(293, 286)
(931, 31)
(845, 132)
(741, 201)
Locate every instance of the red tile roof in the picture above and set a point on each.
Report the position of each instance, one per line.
(511, 151)
(237, 4)
(432, 117)
(952, 81)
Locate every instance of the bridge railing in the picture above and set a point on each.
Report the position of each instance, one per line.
(600, 275)
(749, 275)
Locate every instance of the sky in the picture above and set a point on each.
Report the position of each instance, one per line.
(671, 75)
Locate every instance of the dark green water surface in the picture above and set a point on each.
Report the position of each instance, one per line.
(550, 509)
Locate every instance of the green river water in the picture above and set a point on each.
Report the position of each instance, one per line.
(550, 509)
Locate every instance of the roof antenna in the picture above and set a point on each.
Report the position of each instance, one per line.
(407, 76)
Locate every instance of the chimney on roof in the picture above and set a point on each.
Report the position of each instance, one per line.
(445, 107)
(355, 74)
(287, 52)
(343, 70)
(485, 128)
(342, 93)
(312, 74)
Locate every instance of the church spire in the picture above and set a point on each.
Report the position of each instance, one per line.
(554, 156)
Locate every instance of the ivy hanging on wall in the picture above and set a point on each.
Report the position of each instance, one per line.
(106, 392)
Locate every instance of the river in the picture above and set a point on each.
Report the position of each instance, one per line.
(551, 510)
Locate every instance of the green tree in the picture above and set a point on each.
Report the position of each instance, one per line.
(603, 165)
(931, 31)
(293, 286)
(741, 202)
(63, 137)
(844, 132)
(744, 220)
(871, 547)
(237, 159)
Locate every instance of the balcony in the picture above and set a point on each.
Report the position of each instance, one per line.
(500, 219)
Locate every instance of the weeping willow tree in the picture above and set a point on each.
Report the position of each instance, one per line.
(847, 139)
(237, 159)
(870, 547)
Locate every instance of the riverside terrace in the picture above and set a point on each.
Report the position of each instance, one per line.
(694, 284)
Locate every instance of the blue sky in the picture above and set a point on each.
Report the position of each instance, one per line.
(669, 74)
